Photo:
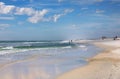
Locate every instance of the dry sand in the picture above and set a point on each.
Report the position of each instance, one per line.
(105, 65)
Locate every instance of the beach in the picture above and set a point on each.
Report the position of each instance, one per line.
(42, 59)
(65, 63)
(105, 65)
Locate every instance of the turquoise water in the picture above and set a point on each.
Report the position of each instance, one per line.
(55, 57)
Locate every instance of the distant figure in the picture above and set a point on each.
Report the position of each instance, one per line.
(70, 41)
(103, 37)
(115, 38)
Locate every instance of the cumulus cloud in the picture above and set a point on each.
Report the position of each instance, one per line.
(34, 16)
(24, 11)
(57, 16)
(38, 16)
(6, 9)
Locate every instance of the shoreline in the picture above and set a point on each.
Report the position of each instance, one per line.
(98, 67)
(105, 65)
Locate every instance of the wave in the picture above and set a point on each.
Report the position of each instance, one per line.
(44, 44)
(7, 48)
(12, 50)
(16, 47)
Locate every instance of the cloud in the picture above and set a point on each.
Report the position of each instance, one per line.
(24, 11)
(57, 16)
(6, 9)
(3, 26)
(34, 16)
(38, 16)
(68, 11)
(84, 8)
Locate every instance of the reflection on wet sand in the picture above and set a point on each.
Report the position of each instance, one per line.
(25, 70)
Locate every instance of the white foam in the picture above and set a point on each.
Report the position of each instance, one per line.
(3, 52)
(82, 46)
(67, 47)
(65, 41)
(8, 48)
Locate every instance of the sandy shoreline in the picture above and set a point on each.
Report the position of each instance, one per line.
(105, 65)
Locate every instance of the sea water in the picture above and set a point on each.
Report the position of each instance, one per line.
(55, 57)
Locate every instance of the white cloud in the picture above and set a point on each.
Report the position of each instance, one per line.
(68, 11)
(23, 11)
(57, 16)
(34, 16)
(84, 8)
(6, 9)
(38, 16)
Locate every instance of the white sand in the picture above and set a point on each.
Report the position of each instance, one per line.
(115, 43)
(103, 66)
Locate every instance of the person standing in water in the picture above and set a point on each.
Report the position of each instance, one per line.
(70, 41)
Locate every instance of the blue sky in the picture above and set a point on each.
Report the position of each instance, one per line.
(58, 19)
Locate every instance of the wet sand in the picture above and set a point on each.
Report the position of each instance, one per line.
(105, 65)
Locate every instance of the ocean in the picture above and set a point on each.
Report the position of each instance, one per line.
(55, 57)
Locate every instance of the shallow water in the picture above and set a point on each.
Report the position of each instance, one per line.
(50, 60)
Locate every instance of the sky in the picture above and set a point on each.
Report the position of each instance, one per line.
(59, 19)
